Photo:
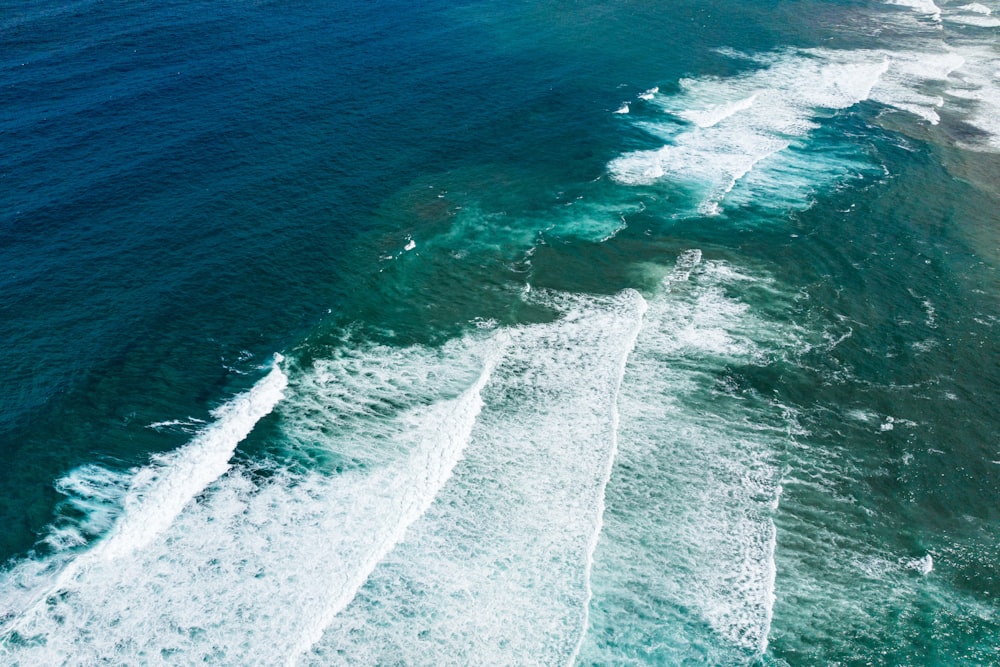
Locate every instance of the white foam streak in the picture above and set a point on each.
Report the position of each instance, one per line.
(770, 577)
(156, 494)
(416, 484)
(496, 571)
(974, 14)
(691, 541)
(921, 6)
(159, 492)
(716, 113)
(748, 137)
(95, 493)
(909, 74)
(977, 8)
(253, 572)
(741, 122)
(962, 79)
(974, 88)
(460, 505)
(977, 20)
(633, 334)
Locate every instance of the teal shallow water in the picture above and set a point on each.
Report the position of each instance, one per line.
(710, 381)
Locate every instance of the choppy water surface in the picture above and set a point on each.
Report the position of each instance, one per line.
(489, 334)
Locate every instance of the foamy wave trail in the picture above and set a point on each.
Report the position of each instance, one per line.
(605, 478)
(496, 571)
(684, 572)
(973, 14)
(927, 7)
(94, 499)
(752, 140)
(714, 114)
(150, 499)
(914, 78)
(720, 130)
(972, 93)
(398, 496)
(649, 94)
(252, 571)
(160, 491)
(947, 69)
(964, 76)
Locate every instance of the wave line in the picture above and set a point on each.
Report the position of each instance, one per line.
(159, 492)
(436, 463)
(609, 467)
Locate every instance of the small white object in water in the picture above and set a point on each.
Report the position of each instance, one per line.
(922, 565)
(622, 109)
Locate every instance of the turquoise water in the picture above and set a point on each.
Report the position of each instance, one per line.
(490, 333)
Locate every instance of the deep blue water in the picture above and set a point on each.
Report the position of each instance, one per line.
(499, 333)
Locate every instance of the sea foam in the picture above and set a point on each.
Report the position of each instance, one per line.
(750, 139)
(464, 481)
(160, 491)
(254, 569)
(144, 503)
(927, 7)
(739, 124)
(497, 571)
(685, 570)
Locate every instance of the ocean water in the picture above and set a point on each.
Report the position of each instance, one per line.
(556, 333)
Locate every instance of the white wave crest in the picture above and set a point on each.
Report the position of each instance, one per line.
(741, 122)
(496, 572)
(694, 549)
(927, 7)
(151, 499)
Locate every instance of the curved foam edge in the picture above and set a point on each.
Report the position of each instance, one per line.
(716, 113)
(739, 133)
(927, 7)
(436, 460)
(691, 540)
(253, 548)
(156, 494)
(495, 571)
(737, 125)
(159, 492)
(632, 336)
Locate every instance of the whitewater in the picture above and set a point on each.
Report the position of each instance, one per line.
(476, 334)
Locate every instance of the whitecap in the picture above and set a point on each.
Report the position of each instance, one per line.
(740, 124)
(132, 510)
(922, 565)
(977, 8)
(497, 571)
(921, 6)
(691, 541)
